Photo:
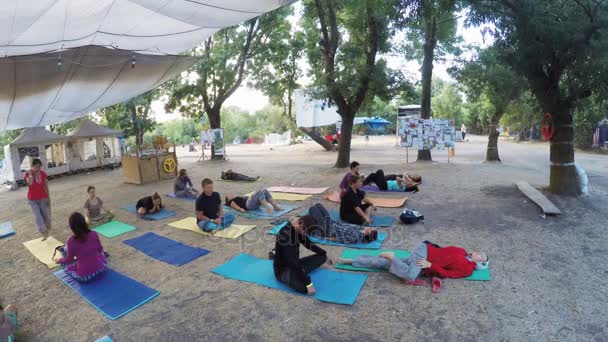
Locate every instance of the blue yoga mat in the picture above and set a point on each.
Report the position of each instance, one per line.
(172, 195)
(161, 215)
(6, 230)
(114, 294)
(377, 220)
(166, 250)
(377, 244)
(261, 213)
(332, 286)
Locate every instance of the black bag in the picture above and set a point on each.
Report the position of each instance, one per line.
(409, 216)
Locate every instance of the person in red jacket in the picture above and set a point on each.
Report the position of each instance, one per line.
(428, 259)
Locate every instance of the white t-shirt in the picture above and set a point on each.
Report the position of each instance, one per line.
(463, 129)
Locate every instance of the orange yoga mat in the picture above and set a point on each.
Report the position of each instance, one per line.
(378, 202)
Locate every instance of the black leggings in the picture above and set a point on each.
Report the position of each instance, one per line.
(297, 278)
(355, 218)
(380, 179)
(234, 176)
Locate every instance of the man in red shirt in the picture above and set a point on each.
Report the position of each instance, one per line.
(39, 198)
(429, 259)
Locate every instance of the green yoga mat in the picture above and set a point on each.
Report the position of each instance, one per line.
(114, 229)
(478, 275)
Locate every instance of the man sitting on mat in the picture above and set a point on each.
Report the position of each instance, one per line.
(288, 267)
(233, 176)
(209, 212)
(355, 208)
(259, 198)
(354, 171)
(183, 187)
(427, 258)
(403, 182)
(8, 322)
(340, 232)
(149, 205)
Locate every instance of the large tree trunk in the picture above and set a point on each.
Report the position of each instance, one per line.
(345, 140)
(427, 76)
(492, 151)
(318, 138)
(215, 122)
(563, 179)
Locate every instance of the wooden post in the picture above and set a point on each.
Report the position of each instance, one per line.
(407, 154)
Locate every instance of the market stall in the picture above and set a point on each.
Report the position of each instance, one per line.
(91, 145)
(150, 166)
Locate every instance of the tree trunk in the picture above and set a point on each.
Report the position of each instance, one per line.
(318, 138)
(345, 140)
(214, 122)
(492, 151)
(563, 179)
(427, 75)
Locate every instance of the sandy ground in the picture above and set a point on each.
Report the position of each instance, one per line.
(548, 274)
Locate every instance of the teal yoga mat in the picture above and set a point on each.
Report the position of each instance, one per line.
(377, 220)
(332, 286)
(6, 230)
(113, 229)
(370, 245)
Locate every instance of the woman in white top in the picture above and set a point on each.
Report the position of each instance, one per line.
(463, 130)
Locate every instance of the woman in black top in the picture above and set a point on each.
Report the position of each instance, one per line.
(355, 208)
(149, 204)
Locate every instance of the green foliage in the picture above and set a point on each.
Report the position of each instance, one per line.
(6, 138)
(180, 131)
(588, 113)
(522, 113)
(447, 103)
(237, 123)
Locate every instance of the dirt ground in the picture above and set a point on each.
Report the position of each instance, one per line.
(549, 274)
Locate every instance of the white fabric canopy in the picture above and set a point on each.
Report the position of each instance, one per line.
(89, 129)
(313, 113)
(34, 92)
(37, 135)
(150, 26)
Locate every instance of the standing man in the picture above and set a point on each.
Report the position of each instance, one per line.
(39, 198)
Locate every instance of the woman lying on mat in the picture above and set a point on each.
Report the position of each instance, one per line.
(94, 212)
(288, 267)
(210, 215)
(234, 176)
(183, 187)
(149, 204)
(340, 232)
(83, 256)
(403, 182)
(430, 260)
(259, 198)
(355, 208)
(354, 171)
(8, 322)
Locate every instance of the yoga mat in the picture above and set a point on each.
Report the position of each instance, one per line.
(43, 250)
(113, 229)
(370, 245)
(166, 250)
(478, 275)
(332, 287)
(377, 220)
(114, 294)
(161, 215)
(172, 195)
(261, 214)
(6, 230)
(281, 196)
(232, 232)
(373, 188)
(334, 196)
(104, 339)
(296, 190)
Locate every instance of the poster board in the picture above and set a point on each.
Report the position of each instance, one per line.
(218, 141)
(427, 134)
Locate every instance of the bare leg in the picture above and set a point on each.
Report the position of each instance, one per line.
(142, 211)
(275, 205)
(266, 205)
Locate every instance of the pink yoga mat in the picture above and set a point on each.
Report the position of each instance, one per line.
(378, 202)
(294, 190)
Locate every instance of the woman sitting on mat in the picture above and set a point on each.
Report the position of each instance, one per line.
(149, 205)
(83, 256)
(341, 232)
(8, 322)
(355, 208)
(354, 171)
(289, 269)
(94, 212)
(259, 198)
(427, 258)
(393, 182)
(183, 187)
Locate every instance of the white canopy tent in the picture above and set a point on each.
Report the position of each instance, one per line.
(313, 113)
(33, 143)
(91, 145)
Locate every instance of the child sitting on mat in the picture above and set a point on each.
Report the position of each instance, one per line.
(259, 198)
(403, 182)
(426, 258)
(149, 205)
(210, 215)
(83, 256)
(8, 322)
(355, 208)
(183, 187)
(340, 232)
(354, 171)
(288, 267)
(94, 212)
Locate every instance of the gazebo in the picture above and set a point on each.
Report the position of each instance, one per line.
(91, 145)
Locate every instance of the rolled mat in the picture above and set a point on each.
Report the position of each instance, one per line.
(377, 244)
(296, 190)
(478, 275)
(161, 215)
(165, 250)
(113, 294)
(334, 196)
(232, 232)
(43, 250)
(332, 287)
(113, 229)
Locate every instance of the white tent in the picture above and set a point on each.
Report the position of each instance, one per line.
(35, 143)
(278, 139)
(313, 113)
(91, 145)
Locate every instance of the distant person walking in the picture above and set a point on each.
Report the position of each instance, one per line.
(38, 197)
(463, 130)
